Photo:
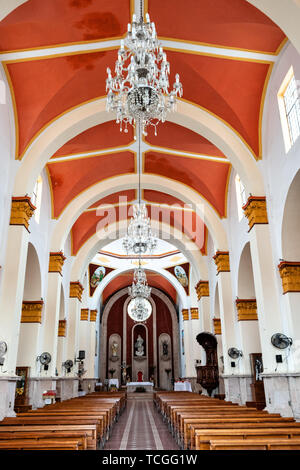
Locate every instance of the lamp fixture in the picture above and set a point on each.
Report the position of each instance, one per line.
(139, 92)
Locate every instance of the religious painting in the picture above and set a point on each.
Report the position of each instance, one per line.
(181, 272)
(96, 275)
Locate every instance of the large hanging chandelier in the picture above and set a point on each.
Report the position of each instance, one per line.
(139, 239)
(139, 92)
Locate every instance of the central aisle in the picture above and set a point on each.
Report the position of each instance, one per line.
(140, 427)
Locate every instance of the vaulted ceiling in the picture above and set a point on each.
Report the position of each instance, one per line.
(56, 52)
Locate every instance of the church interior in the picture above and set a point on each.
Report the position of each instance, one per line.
(149, 224)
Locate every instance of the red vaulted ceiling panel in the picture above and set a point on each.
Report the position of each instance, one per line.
(71, 177)
(40, 23)
(177, 137)
(208, 177)
(227, 23)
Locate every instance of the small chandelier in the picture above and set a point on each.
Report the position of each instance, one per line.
(139, 286)
(139, 92)
(139, 238)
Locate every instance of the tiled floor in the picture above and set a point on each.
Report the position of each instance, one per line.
(140, 427)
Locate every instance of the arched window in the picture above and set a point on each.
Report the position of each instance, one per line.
(240, 196)
(289, 106)
(37, 198)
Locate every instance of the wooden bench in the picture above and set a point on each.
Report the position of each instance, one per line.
(203, 437)
(249, 444)
(86, 431)
(43, 444)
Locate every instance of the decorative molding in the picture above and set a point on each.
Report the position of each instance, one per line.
(290, 276)
(185, 314)
(217, 326)
(222, 261)
(32, 311)
(202, 289)
(84, 314)
(256, 211)
(194, 313)
(93, 315)
(21, 211)
(56, 262)
(76, 290)
(247, 309)
(62, 327)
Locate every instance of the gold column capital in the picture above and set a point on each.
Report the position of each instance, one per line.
(93, 315)
(32, 311)
(255, 210)
(202, 289)
(222, 261)
(22, 210)
(56, 262)
(76, 290)
(62, 327)
(290, 276)
(185, 314)
(247, 309)
(217, 326)
(84, 314)
(194, 313)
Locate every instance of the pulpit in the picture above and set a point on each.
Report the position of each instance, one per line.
(208, 375)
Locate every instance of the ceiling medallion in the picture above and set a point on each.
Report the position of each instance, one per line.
(139, 91)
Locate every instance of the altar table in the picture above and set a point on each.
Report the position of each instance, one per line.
(182, 386)
(131, 386)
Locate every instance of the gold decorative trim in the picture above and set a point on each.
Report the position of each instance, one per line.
(256, 211)
(62, 327)
(76, 290)
(21, 211)
(194, 313)
(290, 276)
(93, 315)
(202, 289)
(247, 309)
(56, 262)
(84, 314)
(185, 314)
(32, 311)
(222, 261)
(217, 326)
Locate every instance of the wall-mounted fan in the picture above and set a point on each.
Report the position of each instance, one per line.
(234, 353)
(45, 359)
(68, 364)
(281, 341)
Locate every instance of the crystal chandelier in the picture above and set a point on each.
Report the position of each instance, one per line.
(139, 286)
(139, 238)
(139, 91)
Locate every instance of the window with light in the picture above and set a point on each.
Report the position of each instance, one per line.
(37, 198)
(240, 196)
(289, 105)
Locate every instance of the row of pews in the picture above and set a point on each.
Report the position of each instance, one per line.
(199, 422)
(83, 423)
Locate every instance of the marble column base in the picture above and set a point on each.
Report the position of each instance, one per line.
(282, 393)
(67, 387)
(36, 387)
(7, 396)
(237, 388)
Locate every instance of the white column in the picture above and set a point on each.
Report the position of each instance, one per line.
(187, 343)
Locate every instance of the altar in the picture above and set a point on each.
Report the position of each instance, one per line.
(131, 386)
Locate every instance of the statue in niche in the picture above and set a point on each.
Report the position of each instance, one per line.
(258, 369)
(114, 348)
(139, 348)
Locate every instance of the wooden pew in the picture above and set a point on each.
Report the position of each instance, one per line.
(203, 437)
(87, 431)
(249, 444)
(43, 444)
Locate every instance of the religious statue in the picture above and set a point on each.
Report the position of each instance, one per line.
(114, 348)
(139, 346)
(165, 347)
(258, 369)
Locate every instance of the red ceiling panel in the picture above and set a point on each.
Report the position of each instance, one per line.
(177, 137)
(71, 177)
(206, 176)
(228, 23)
(40, 23)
